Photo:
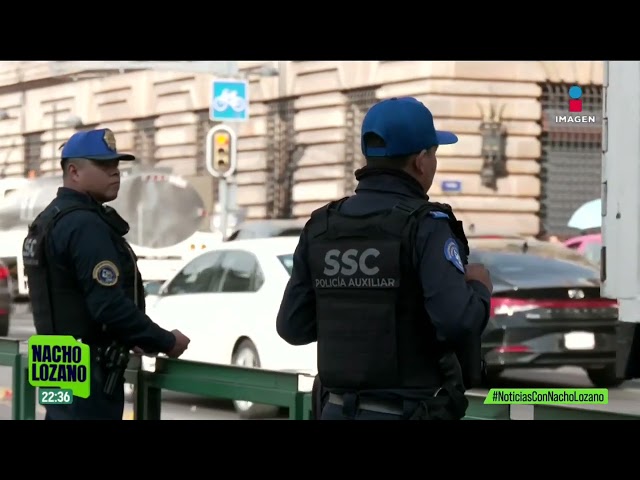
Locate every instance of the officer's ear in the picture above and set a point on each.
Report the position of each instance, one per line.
(428, 159)
(419, 162)
(70, 170)
(74, 165)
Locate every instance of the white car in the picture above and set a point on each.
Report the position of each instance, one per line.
(226, 301)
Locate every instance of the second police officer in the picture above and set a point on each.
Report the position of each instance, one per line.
(379, 281)
(83, 276)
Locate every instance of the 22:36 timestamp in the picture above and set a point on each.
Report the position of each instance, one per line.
(55, 396)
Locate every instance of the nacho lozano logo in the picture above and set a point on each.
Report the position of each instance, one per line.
(59, 366)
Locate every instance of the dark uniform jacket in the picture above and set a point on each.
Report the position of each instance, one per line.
(95, 278)
(457, 309)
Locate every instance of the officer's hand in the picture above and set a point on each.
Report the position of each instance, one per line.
(477, 271)
(182, 342)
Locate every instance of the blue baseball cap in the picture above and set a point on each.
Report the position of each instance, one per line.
(93, 145)
(406, 126)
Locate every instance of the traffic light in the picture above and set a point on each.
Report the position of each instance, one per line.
(221, 151)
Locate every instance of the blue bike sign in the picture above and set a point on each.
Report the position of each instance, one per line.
(229, 101)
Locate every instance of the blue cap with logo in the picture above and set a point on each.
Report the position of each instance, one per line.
(93, 145)
(406, 126)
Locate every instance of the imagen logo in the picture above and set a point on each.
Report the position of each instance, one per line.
(575, 107)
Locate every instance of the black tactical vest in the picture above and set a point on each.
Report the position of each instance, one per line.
(373, 331)
(58, 303)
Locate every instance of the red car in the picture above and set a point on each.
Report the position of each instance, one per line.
(587, 245)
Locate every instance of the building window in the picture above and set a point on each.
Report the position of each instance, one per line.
(358, 102)
(571, 162)
(203, 125)
(32, 154)
(283, 154)
(144, 140)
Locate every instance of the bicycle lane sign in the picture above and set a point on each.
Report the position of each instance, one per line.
(229, 101)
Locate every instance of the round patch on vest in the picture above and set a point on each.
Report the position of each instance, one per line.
(106, 273)
(452, 253)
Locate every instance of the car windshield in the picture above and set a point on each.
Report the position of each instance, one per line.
(287, 262)
(537, 265)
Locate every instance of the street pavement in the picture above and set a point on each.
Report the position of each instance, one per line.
(178, 406)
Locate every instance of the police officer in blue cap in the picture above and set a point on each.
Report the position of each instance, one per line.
(380, 281)
(83, 276)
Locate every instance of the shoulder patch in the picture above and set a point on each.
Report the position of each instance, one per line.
(452, 254)
(106, 273)
(436, 214)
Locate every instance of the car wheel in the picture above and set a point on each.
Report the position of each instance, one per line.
(604, 377)
(246, 355)
(4, 326)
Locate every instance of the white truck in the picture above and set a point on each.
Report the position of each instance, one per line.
(620, 265)
(164, 212)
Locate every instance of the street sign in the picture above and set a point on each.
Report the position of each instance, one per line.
(229, 101)
(451, 186)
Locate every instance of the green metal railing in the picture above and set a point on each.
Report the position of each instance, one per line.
(23, 394)
(215, 381)
(256, 385)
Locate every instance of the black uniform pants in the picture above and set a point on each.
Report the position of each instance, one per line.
(351, 406)
(354, 407)
(97, 407)
(336, 412)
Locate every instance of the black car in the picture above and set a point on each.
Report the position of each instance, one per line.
(546, 310)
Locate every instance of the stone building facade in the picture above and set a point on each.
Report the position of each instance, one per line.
(301, 145)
